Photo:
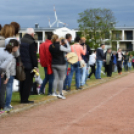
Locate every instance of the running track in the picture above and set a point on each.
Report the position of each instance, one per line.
(105, 109)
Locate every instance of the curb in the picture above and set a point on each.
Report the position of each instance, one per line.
(29, 106)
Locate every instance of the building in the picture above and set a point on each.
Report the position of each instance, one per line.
(122, 37)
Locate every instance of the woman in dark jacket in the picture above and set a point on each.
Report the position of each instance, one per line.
(108, 62)
(58, 64)
(120, 58)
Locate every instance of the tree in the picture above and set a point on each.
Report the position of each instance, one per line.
(96, 24)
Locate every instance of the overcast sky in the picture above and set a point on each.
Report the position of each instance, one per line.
(29, 12)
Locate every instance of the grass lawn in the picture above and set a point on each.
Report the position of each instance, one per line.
(16, 96)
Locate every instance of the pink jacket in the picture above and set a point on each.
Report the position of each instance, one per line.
(78, 49)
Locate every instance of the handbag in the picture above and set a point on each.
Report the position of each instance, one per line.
(20, 73)
(72, 57)
(82, 62)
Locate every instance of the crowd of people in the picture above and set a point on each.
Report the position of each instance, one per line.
(18, 59)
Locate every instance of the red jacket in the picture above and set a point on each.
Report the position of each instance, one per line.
(45, 56)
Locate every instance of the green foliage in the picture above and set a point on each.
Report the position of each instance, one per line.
(95, 25)
(38, 56)
(131, 53)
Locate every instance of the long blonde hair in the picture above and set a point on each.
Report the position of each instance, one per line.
(8, 31)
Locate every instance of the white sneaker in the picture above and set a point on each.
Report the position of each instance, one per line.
(61, 97)
(11, 106)
(54, 94)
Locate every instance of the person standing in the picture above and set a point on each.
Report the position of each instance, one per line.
(84, 70)
(69, 39)
(114, 62)
(57, 51)
(126, 60)
(10, 73)
(28, 49)
(133, 62)
(5, 59)
(120, 58)
(108, 62)
(99, 61)
(46, 62)
(78, 49)
(130, 62)
(12, 30)
(92, 63)
(13, 35)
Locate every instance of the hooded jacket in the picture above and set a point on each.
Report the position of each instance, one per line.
(5, 59)
(45, 56)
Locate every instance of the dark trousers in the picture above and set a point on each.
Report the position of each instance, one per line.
(26, 85)
(2, 93)
(108, 69)
(133, 64)
(119, 66)
(92, 70)
(126, 65)
(66, 79)
(48, 78)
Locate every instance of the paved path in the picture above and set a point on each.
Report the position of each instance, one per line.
(105, 109)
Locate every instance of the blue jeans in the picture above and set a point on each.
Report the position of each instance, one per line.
(74, 68)
(98, 69)
(9, 91)
(48, 78)
(130, 64)
(83, 75)
(66, 79)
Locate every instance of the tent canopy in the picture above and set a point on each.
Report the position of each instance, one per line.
(61, 32)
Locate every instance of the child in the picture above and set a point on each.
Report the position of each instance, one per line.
(10, 73)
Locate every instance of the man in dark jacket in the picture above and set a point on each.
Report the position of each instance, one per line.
(99, 60)
(28, 49)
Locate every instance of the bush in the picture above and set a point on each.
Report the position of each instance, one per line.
(131, 53)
